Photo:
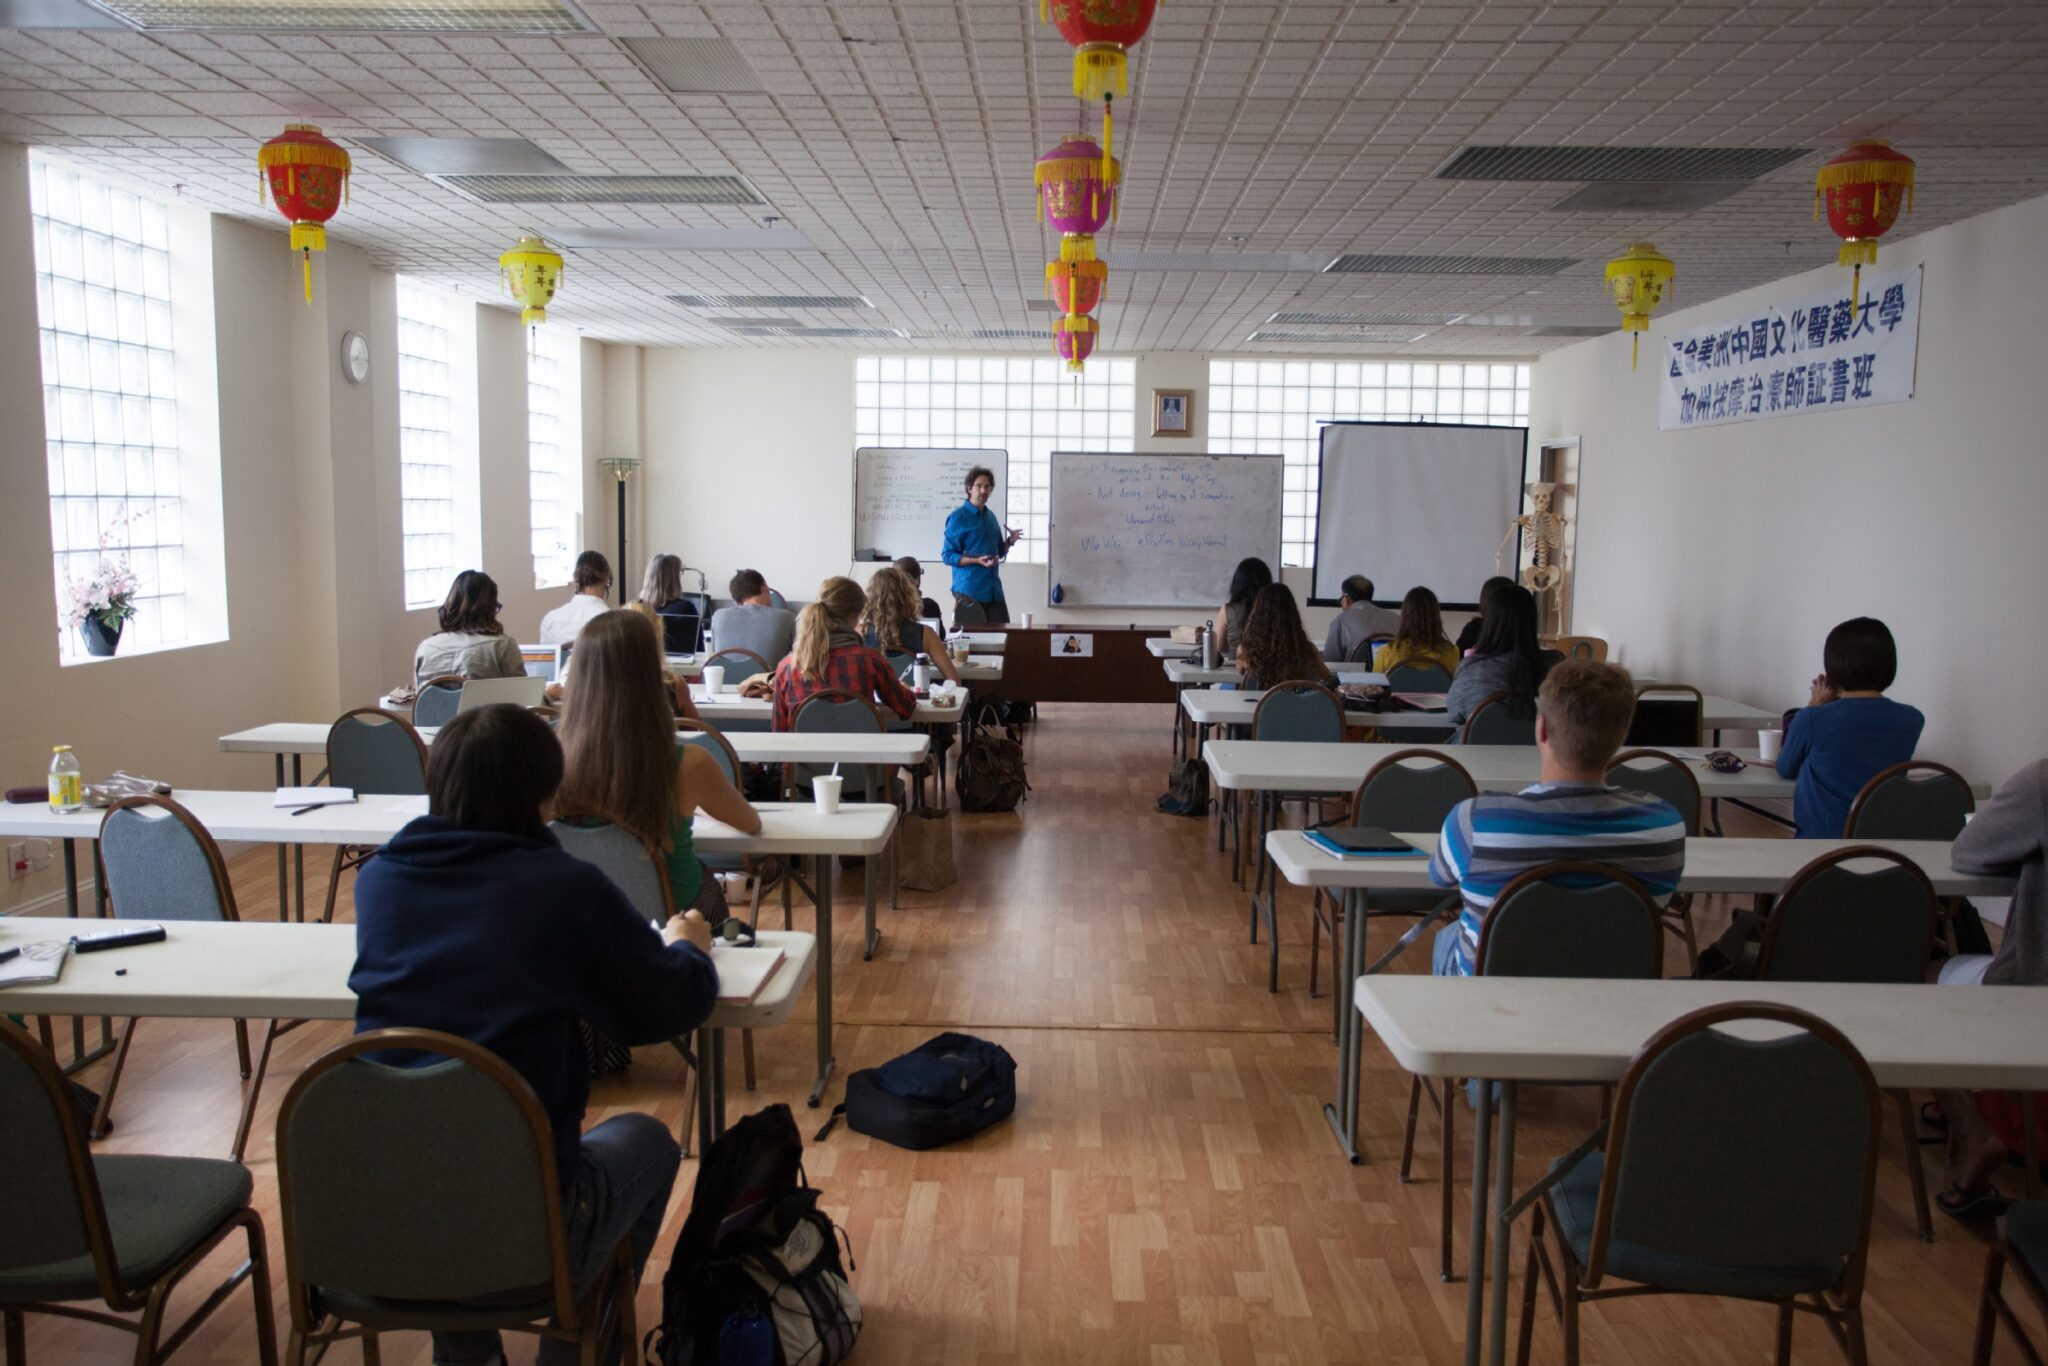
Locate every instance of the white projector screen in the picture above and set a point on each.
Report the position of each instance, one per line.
(1409, 504)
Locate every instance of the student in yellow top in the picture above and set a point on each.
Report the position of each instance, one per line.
(1420, 638)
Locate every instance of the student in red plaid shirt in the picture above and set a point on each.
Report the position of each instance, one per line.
(830, 654)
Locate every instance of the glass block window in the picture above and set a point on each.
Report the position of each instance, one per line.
(426, 444)
(1262, 407)
(110, 413)
(1028, 406)
(554, 450)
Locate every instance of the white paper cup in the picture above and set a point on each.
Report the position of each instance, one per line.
(825, 788)
(1027, 621)
(714, 679)
(1767, 742)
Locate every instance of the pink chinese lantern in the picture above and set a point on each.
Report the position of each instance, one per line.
(1076, 286)
(1077, 186)
(1074, 339)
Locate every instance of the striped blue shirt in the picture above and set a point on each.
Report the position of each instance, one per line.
(1488, 840)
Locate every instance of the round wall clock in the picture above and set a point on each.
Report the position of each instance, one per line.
(355, 357)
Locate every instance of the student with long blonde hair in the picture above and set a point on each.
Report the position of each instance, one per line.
(829, 655)
(621, 762)
(890, 622)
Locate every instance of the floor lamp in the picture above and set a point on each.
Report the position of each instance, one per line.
(619, 467)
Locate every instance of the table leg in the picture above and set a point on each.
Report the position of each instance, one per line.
(284, 891)
(1343, 1116)
(299, 850)
(1503, 1197)
(873, 937)
(1475, 1271)
(821, 897)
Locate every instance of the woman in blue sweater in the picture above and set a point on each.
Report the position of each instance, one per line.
(1849, 731)
(474, 921)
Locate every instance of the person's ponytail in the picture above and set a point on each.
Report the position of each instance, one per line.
(813, 642)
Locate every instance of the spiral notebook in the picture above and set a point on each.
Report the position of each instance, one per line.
(743, 972)
(35, 965)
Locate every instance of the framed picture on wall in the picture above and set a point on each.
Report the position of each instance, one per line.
(1173, 412)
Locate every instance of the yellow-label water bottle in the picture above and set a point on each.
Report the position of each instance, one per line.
(67, 782)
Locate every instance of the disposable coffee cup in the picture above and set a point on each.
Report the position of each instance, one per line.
(1767, 742)
(714, 679)
(1027, 621)
(825, 787)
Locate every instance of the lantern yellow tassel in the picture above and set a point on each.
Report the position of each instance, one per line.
(1099, 68)
(1107, 101)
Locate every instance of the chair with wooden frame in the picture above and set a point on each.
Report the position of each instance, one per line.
(835, 711)
(2022, 1243)
(1303, 713)
(1669, 779)
(1410, 789)
(157, 862)
(437, 702)
(1579, 647)
(1833, 924)
(371, 750)
(968, 613)
(1421, 675)
(123, 1229)
(1676, 1200)
(1572, 918)
(739, 665)
(1491, 724)
(704, 735)
(426, 1198)
(1916, 800)
(1363, 651)
(1667, 714)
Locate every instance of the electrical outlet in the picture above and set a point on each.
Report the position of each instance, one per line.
(38, 852)
(17, 861)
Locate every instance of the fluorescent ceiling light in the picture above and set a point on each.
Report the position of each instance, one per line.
(467, 156)
(778, 238)
(367, 16)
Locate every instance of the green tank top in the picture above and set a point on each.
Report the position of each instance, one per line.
(685, 874)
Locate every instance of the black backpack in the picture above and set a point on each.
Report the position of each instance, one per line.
(756, 1276)
(946, 1089)
(991, 766)
(1187, 789)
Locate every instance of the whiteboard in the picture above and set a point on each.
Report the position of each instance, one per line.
(903, 495)
(1416, 504)
(1158, 530)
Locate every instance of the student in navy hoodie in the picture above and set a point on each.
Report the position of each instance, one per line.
(474, 921)
(1849, 731)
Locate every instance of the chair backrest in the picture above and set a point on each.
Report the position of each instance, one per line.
(1572, 918)
(900, 662)
(378, 751)
(1667, 714)
(968, 613)
(737, 663)
(1581, 647)
(1741, 1152)
(158, 863)
(834, 711)
(776, 599)
(433, 1182)
(438, 701)
(1299, 711)
(1835, 924)
(1490, 724)
(1416, 675)
(706, 736)
(1411, 789)
(1919, 800)
(53, 1204)
(617, 852)
(1660, 775)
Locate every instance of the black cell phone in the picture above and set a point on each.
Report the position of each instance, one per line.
(118, 939)
(1367, 839)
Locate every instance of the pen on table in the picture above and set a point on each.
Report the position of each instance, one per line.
(302, 810)
(6, 954)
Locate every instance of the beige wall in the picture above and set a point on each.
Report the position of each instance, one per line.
(1722, 556)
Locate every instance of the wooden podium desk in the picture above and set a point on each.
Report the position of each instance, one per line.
(1119, 667)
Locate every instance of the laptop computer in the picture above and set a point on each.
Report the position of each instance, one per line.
(539, 661)
(520, 692)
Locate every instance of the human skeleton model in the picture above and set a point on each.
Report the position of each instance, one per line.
(1545, 530)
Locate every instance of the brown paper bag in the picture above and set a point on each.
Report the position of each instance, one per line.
(925, 847)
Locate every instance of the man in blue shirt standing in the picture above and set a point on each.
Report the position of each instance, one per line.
(976, 543)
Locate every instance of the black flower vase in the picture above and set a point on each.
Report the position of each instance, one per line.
(100, 638)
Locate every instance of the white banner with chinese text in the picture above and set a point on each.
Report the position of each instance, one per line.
(1798, 357)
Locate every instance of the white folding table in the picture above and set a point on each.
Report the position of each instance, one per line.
(1234, 707)
(753, 747)
(730, 706)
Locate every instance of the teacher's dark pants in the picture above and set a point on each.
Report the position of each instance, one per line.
(996, 613)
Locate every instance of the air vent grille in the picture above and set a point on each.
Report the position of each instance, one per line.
(1573, 330)
(769, 301)
(1009, 334)
(755, 322)
(604, 189)
(1617, 163)
(1391, 337)
(362, 16)
(1383, 263)
(696, 66)
(1365, 319)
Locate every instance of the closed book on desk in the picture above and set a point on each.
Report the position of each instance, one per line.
(743, 972)
(1361, 841)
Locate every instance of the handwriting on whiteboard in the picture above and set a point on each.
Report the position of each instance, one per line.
(1148, 512)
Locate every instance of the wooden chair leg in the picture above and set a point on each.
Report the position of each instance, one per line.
(1446, 1126)
(747, 1055)
(242, 1047)
(1784, 1357)
(1568, 1314)
(103, 1118)
(1529, 1274)
(1987, 1306)
(372, 1355)
(1909, 1130)
(259, 1290)
(17, 1337)
(1852, 1327)
(1408, 1134)
(294, 1348)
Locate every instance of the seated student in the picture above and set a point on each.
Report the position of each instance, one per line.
(470, 641)
(621, 762)
(753, 622)
(889, 622)
(926, 608)
(661, 594)
(1469, 635)
(593, 580)
(1275, 647)
(474, 921)
(1250, 576)
(1849, 731)
(1358, 620)
(1582, 712)
(1420, 638)
(1507, 659)
(828, 655)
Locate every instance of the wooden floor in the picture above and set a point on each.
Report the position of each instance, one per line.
(1167, 1192)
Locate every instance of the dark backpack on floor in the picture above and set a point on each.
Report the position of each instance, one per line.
(991, 766)
(946, 1089)
(756, 1279)
(1187, 789)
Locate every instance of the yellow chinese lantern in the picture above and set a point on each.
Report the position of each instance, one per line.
(531, 271)
(1636, 281)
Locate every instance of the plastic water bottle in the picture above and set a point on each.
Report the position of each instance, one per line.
(921, 672)
(67, 782)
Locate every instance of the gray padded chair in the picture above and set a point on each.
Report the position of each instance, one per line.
(1667, 714)
(1363, 651)
(776, 599)
(124, 1230)
(1666, 777)
(158, 864)
(425, 1198)
(1303, 713)
(1490, 724)
(1730, 1167)
(2022, 1243)
(739, 665)
(437, 702)
(1919, 800)
(835, 711)
(1567, 919)
(1410, 676)
(1833, 924)
(1413, 790)
(967, 614)
(371, 751)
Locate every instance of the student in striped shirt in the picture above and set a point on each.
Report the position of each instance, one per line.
(1583, 710)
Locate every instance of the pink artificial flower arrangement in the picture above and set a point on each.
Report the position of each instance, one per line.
(108, 593)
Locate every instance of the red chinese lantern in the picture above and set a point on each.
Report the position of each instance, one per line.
(1073, 338)
(1077, 186)
(308, 177)
(1076, 286)
(1864, 189)
(1102, 32)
